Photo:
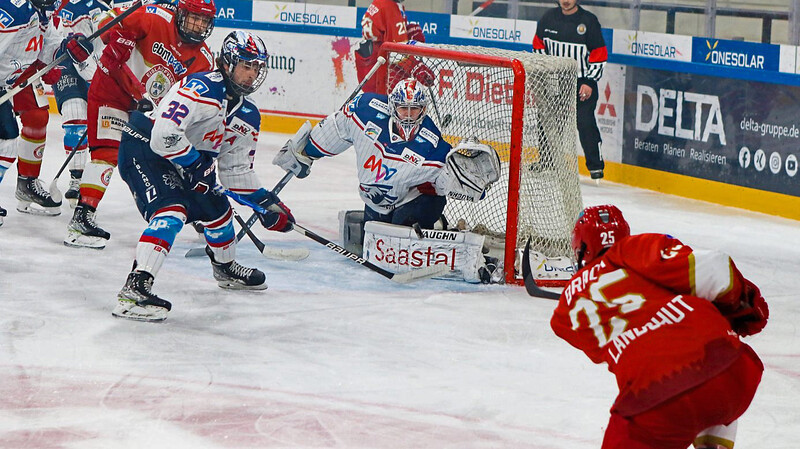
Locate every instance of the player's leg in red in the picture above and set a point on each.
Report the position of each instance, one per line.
(677, 423)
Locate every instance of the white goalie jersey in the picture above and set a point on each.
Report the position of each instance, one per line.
(390, 170)
(195, 116)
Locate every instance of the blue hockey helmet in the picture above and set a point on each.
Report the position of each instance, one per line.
(408, 104)
(247, 49)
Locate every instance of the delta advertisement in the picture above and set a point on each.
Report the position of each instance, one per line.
(731, 131)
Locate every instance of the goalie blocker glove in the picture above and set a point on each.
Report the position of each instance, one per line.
(291, 157)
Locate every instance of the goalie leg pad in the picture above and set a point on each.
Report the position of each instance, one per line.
(351, 230)
(399, 249)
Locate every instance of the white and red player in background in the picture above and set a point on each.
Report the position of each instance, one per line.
(28, 43)
(667, 320)
(386, 21)
(148, 52)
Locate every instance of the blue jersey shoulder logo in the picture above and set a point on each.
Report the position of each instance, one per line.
(196, 87)
(5, 19)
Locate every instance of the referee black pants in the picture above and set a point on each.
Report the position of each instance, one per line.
(587, 128)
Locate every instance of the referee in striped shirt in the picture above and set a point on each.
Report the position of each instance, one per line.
(573, 32)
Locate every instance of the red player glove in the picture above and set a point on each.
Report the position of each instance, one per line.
(414, 32)
(77, 47)
(120, 46)
(50, 77)
(751, 318)
(278, 218)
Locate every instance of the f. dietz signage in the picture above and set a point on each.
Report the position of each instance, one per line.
(305, 14)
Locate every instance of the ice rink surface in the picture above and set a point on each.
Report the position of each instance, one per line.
(332, 354)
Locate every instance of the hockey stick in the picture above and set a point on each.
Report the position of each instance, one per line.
(401, 278)
(36, 76)
(266, 251)
(54, 192)
(381, 61)
(480, 8)
(447, 118)
(527, 275)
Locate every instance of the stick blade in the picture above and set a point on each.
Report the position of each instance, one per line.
(527, 275)
(196, 252)
(420, 273)
(54, 192)
(291, 254)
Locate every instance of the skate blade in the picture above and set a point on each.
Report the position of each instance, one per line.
(131, 311)
(29, 208)
(233, 285)
(78, 240)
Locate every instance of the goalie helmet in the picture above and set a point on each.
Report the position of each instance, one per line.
(407, 104)
(597, 229)
(195, 20)
(248, 50)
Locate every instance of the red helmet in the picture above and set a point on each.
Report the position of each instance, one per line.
(195, 20)
(597, 228)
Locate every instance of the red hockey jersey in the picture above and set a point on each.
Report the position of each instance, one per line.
(645, 308)
(384, 21)
(160, 59)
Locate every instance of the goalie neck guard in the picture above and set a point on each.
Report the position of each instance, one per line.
(408, 104)
(195, 20)
(249, 51)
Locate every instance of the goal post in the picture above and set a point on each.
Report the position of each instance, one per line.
(524, 106)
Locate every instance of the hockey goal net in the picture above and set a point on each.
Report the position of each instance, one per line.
(523, 105)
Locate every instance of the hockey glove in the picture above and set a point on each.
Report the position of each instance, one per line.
(50, 77)
(423, 74)
(201, 175)
(77, 47)
(278, 216)
(751, 318)
(117, 52)
(414, 32)
(291, 157)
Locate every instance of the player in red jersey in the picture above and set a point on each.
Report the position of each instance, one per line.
(385, 21)
(667, 320)
(148, 52)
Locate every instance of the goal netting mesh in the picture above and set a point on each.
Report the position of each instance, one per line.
(476, 93)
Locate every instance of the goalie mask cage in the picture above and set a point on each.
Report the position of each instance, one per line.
(524, 106)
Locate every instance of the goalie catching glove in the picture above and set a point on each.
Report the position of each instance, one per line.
(291, 157)
(278, 216)
(471, 168)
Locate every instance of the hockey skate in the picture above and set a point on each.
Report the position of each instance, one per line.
(136, 302)
(34, 198)
(83, 232)
(3, 213)
(73, 194)
(233, 276)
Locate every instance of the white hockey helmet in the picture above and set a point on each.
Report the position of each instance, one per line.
(241, 47)
(408, 104)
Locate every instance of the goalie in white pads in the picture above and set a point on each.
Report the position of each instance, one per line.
(406, 169)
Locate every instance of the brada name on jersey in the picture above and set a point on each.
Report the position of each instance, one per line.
(399, 249)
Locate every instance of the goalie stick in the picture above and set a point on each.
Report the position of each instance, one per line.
(402, 278)
(38, 75)
(54, 192)
(530, 283)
